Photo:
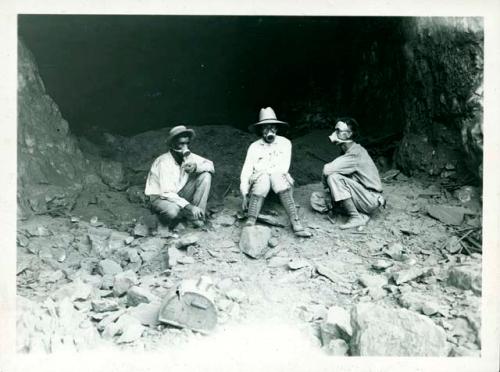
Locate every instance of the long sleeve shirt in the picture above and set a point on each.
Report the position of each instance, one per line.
(166, 177)
(357, 164)
(263, 157)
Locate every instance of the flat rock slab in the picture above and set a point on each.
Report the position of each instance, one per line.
(117, 239)
(77, 290)
(236, 295)
(299, 263)
(123, 281)
(141, 230)
(254, 240)
(420, 303)
(278, 261)
(185, 260)
(369, 280)
(224, 220)
(382, 264)
(152, 244)
(104, 305)
(407, 275)
(466, 277)
(330, 274)
(147, 314)
(273, 242)
(379, 331)
(337, 325)
(137, 295)
(109, 267)
(272, 220)
(337, 348)
(131, 329)
(186, 241)
(446, 214)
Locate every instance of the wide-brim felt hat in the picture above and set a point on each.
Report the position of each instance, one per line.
(267, 116)
(178, 131)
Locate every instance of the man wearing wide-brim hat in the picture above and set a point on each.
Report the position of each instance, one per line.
(266, 168)
(179, 181)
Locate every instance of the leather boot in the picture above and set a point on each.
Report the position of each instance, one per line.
(355, 218)
(254, 206)
(286, 198)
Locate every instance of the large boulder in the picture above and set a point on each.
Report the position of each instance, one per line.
(254, 240)
(379, 331)
(467, 276)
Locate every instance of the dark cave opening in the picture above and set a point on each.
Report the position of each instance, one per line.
(131, 74)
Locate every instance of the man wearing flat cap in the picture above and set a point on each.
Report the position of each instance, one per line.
(352, 179)
(266, 168)
(179, 181)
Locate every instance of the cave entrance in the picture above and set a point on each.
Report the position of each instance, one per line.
(203, 70)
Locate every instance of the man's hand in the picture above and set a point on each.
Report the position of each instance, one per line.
(196, 212)
(189, 167)
(244, 203)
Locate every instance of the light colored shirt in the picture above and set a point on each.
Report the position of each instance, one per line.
(263, 157)
(357, 164)
(166, 177)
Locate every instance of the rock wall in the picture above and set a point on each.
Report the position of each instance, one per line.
(417, 81)
(366, 84)
(52, 170)
(443, 96)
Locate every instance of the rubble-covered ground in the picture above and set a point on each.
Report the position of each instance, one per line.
(98, 276)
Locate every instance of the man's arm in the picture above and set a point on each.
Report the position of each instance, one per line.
(283, 162)
(246, 171)
(174, 198)
(345, 164)
(205, 165)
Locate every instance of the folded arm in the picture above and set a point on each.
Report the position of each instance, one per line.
(345, 164)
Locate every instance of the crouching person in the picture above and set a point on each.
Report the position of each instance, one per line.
(179, 181)
(352, 179)
(266, 168)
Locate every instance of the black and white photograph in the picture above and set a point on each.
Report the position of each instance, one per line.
(291, 191)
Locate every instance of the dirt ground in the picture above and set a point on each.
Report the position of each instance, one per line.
(53, 252)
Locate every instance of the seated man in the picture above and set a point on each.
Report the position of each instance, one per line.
(353, 179)
(179, 182)
(266, 167)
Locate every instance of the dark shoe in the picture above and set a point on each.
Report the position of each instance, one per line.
(355, 221)
(197, 224)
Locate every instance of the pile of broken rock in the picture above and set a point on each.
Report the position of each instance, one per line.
(91, 285)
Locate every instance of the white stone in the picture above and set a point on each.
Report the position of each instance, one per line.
(379, 331)
(123, 281)
(254, 240)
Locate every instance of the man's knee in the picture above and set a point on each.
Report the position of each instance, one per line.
(280, 182)
(205, 178)
(169, 211)
(334, 178)
(262, 185)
